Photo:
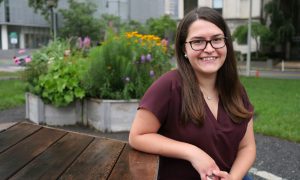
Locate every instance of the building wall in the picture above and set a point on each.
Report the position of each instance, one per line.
(21, 14)
(141, 10)
(239, 9)
(30, 28)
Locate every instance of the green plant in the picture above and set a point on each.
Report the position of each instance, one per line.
(125, 66)
(260, 33)
(163, 27)
(79, 20)
(39, 63)
(61, 85)
(55, 74)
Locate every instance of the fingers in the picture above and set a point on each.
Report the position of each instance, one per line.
(210, 177)
(221, 174)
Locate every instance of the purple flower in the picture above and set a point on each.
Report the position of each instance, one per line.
(143, 58)
(151, 73)
(149, 57)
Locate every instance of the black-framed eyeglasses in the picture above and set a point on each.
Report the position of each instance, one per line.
(201, 44)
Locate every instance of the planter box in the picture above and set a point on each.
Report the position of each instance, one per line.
(109, 115)
(39, 112)
(102, 115)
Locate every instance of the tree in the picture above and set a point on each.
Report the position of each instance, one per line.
(162, 27)
(281, 15)
(41, 6)
(259, 32)
(79, 20)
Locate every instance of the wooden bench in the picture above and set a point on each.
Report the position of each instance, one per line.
(29, 151)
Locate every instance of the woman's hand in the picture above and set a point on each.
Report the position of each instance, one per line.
(222, 175)
(203, 164)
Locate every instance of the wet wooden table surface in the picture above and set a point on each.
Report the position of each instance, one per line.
(29, 151)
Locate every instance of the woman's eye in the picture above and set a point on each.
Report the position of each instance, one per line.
(217, 40)
(198, 42)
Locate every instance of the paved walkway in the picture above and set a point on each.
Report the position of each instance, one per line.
(276, 159)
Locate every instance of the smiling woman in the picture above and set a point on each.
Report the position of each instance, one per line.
(198, 117)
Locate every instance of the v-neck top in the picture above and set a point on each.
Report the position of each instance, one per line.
(219, 138)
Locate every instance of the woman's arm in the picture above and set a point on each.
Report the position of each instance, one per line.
(144, 137)
(245, 157)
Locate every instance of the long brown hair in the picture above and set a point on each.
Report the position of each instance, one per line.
(227, 82)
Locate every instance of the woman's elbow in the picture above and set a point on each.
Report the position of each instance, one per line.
(132, 140)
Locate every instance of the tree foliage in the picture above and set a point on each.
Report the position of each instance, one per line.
(281, 15)
(281, 21)
(162, 27)
(259, 32)
(42, 6)
(79, 20)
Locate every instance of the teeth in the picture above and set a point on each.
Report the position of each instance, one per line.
(208, 58)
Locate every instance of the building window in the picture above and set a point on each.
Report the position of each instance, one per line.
(218, 5)
(171, 8)
(6, 10)
(189, 5)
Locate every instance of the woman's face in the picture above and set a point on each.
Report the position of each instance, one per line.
(208, 60)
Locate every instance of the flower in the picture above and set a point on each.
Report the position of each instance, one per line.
(149, 57)
(127, 79)
(27, 59)
(86, 42)
(17, 61)
(143, 58)
(151, 73)
(135, 61)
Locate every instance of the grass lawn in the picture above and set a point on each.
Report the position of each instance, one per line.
(276, 103)
(10, 74)
(12, 92)
(277, 106)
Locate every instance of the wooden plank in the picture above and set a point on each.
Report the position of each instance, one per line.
(56, 159)
(19, 155)
(15, 134)
(97, 160)
(135, 165)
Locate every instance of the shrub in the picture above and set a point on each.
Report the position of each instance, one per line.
(55, 75)
(125, 66)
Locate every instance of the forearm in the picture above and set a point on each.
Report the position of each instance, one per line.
(157, 144)
(243, 162)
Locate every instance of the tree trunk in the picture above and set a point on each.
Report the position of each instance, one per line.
(287, 50)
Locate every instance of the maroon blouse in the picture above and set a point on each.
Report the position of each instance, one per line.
(219, 138)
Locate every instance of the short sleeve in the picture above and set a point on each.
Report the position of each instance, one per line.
(158, 97)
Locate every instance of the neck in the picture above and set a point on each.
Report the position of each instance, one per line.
(207, 81)
(208, 89)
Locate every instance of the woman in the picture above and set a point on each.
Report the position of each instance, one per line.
(198, 117)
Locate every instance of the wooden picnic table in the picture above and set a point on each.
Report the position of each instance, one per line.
(29, 151)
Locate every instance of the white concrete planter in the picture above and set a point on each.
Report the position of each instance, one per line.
(39, 112)
(109, 115)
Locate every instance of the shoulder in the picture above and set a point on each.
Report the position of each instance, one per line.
(166, 84)
(170, 78)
